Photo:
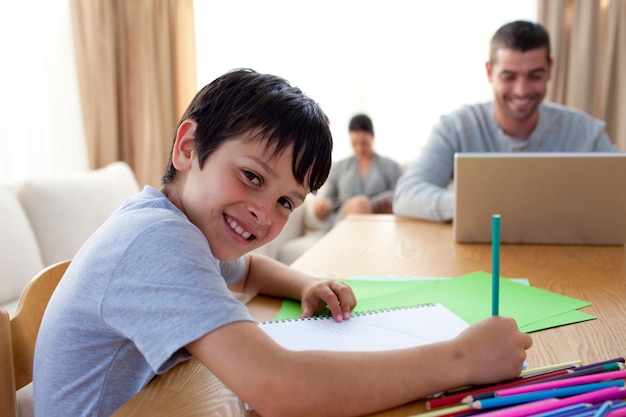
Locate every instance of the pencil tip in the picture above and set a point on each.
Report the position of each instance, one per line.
(476, 405)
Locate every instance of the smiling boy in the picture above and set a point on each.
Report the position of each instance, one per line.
(152, 287)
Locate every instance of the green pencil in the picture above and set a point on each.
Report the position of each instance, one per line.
(495, 264)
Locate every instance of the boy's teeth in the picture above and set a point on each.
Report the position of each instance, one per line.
(239, 229)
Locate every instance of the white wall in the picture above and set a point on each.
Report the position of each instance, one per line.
(404, 62)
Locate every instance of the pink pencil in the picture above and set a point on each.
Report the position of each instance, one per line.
(536, 407)
(620, 412)
(559, 383)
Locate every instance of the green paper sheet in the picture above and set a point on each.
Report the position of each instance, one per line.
(469, 296)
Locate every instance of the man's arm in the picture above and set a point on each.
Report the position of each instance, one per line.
(421, 191)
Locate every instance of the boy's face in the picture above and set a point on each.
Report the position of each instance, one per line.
(242, 197)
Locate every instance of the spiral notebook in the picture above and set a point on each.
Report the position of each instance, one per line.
(376, 330)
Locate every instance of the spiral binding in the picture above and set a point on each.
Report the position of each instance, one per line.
(360, 313)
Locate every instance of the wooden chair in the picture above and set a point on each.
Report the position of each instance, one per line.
(19, 333)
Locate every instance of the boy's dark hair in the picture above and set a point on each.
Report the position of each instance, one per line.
(361, 123)
(243, 101)
(521, 36)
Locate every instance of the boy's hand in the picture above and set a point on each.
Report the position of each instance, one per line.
(336, 295)
(494, 349)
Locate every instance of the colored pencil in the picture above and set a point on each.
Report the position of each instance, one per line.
(618, 411)
(565, 411)
(557, 366)
(603, 410)
(540, 395)
(587, 412)
(574, 373)
(488, 391)
(495, 264)
(458, 397)
(536, 407)
(446, 412)
(559, 383)
(526, 372)
(593, 365)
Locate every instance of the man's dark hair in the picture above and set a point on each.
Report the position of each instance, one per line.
(361, 123)
(242, 101)
(521, 36)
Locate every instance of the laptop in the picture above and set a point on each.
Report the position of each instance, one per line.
(543, 198)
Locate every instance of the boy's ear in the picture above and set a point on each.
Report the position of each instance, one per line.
(183, 151)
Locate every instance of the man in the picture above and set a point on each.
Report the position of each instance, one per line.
(516, 120)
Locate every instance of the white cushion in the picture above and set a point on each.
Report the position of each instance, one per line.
(65, 211)
(20, 259)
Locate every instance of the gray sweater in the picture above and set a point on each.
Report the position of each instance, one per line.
(423, 191)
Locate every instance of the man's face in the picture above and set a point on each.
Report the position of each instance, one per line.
(519, 81)
(242, 197)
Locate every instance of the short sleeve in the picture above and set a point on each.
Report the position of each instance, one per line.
(166, 297)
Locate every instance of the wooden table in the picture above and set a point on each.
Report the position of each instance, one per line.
(385, 245)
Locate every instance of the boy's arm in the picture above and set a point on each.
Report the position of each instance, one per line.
(277, 382)
(269, 277)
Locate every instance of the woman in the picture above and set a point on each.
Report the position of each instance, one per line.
(360, 184)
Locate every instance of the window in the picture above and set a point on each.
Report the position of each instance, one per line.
(403, 62)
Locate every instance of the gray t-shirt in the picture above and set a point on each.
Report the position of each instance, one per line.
(422, 192)
(140, 289)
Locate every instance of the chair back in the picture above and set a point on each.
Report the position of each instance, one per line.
(18, 335)
(8, 406)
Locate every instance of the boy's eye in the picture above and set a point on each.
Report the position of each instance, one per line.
(285, 203)
(254, 178)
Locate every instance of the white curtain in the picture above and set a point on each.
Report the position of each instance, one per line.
(41, 128)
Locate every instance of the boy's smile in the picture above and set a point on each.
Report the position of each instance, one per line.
(242, 196)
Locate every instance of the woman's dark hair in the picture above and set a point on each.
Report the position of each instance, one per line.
(361, 123)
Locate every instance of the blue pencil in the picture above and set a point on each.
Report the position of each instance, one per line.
(540, 395)
(603, 410)
(566, 411)
(589, 412)
(495, 264)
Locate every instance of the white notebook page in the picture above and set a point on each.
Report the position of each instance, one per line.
(380, 330)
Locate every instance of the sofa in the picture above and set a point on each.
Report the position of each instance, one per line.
(46, 220)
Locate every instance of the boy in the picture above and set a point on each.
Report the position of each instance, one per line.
(151, 286)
